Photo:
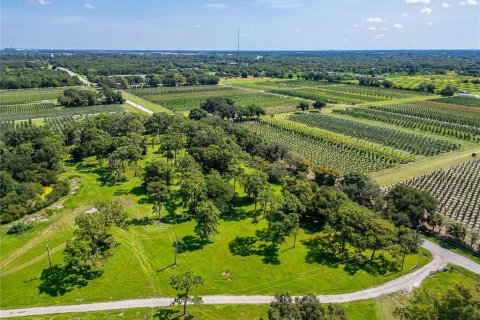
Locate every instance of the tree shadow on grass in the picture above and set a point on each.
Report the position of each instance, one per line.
(236, 214)
(58, 280)
(320, 252)
(145, 221)
(170, 314)
(269, 253)
(246, 246)
(191, 243)
(173, 218)
(243, 246)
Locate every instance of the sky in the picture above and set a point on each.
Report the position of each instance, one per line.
(264, 24)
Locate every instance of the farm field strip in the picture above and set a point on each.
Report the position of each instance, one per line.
(467, 102)
(327, 95)
(436, 111)
(184, 100)
(457, 189)
(410, 142)
(453, 130)
(373, 150)
(440, 82)
(38, 114)
(28, 108)
(382, 93)
(319, 152)
(23, 96)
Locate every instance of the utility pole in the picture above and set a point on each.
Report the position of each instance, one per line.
(48, 255)
(176, 251)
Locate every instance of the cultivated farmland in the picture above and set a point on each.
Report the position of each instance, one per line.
(187, 98)
(413, 143)
(327, 148)
(457, 189)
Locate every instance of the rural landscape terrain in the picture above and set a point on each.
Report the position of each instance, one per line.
(188, 184)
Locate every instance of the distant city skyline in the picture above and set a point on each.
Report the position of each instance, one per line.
(264, 24)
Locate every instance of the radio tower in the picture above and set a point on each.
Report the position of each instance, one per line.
(238, 46)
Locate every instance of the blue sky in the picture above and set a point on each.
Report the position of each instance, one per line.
(264, 24)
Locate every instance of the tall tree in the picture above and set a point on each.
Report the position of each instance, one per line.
(207, 218)
(186, 282)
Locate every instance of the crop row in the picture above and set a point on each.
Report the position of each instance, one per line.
(382, 93)
(436, 111)
(338, 141)
(428, 125)
(457, 190)
(406, 141)
(64, 112)
(187, 100)
(26, 108)
(468, 102)
(170, 90)
(326, 95)
(317, 150)
(58, 124)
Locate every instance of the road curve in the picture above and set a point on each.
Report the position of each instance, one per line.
(406, 282)
(441, 257)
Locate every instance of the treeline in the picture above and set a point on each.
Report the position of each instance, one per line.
(30, 160)
(72, 98)
(276, 64)
(154, 80)
(35, 78)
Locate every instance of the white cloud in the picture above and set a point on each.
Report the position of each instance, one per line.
(252, 29)
(405, 15)
(89, 6)
(216, 5)
(384, 29)
(372, 28)
(196, 26)
(417, 1)
(397, 26)
(469, 3)
(427, 11)
(41, 2)
(379, 36)
(280, 4)
(446, 5)
(375, 20)
(430, 23)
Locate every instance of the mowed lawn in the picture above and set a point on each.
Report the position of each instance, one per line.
(380, 308)
(141, 264)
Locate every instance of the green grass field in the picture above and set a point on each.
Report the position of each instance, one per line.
(380, 308)
(440, 82)
(145, 252)
(24, 96)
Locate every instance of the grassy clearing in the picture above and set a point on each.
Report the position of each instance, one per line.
(145, 252)
(373, 309)
(144, 103)
(440, 82)
(24, 96)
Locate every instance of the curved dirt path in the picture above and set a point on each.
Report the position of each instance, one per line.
(403, 283)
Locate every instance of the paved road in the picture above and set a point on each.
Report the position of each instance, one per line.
(452, 257)
(441, 257)
(406, 282)
(73, 74)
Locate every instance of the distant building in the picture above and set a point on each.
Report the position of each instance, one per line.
(468, 95)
